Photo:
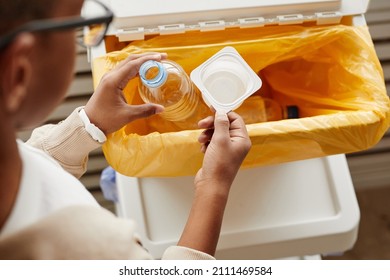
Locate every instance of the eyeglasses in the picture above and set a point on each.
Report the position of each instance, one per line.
(91, 26)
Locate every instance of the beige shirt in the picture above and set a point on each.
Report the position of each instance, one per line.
(54, 217)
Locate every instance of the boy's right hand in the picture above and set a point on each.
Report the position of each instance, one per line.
(225, 142)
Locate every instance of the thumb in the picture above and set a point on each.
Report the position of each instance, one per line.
(143, 111)
(221, 124)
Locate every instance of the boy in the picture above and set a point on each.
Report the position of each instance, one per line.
(45, 212)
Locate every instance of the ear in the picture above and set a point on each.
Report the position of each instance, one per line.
(16, 71)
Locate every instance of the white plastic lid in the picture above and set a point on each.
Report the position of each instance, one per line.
(225, 80)
(133, 19)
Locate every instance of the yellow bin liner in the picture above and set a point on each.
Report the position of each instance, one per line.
(331, 73)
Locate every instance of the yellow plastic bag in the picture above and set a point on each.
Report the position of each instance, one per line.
(331, 73)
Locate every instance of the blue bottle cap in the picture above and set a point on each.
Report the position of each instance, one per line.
(156, 81)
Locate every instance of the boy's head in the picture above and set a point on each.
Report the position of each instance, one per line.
(35, 68)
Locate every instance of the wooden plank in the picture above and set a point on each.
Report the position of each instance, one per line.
(370, 171)
(81, 85)
(376, 5)
(91, 181)
(63, 111)
(81, 49)
(81, 64)
(96, 152)
(373, 17)
(370, 163)
(97, 163)
(383, 51)
(380, 31)
(386, 71)
(373, 180)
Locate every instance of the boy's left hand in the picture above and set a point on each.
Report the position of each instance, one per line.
(107, 108)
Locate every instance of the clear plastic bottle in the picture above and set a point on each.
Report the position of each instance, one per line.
(258, 109)
(167, 84)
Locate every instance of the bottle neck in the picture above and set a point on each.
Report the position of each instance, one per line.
(153, 74)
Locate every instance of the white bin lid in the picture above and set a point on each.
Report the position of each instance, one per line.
(134, 19)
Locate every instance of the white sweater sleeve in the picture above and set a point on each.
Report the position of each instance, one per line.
(67, 142)
(184, 253)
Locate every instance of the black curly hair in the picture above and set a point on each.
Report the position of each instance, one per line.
(16, 12)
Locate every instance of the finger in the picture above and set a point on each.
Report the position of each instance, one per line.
(164, 55)
(203, 148)
(234, 117)
(207, 122)
(134, 112)
(237, 125)
(130, 69)
(205, 136)
(126, 60)
(136, 56)
(221, 125)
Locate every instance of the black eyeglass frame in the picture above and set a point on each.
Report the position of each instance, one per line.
(58, 25)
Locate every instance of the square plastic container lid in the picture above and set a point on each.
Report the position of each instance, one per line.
(225, 80)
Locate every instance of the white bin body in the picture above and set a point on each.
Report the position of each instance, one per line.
(293, 209)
